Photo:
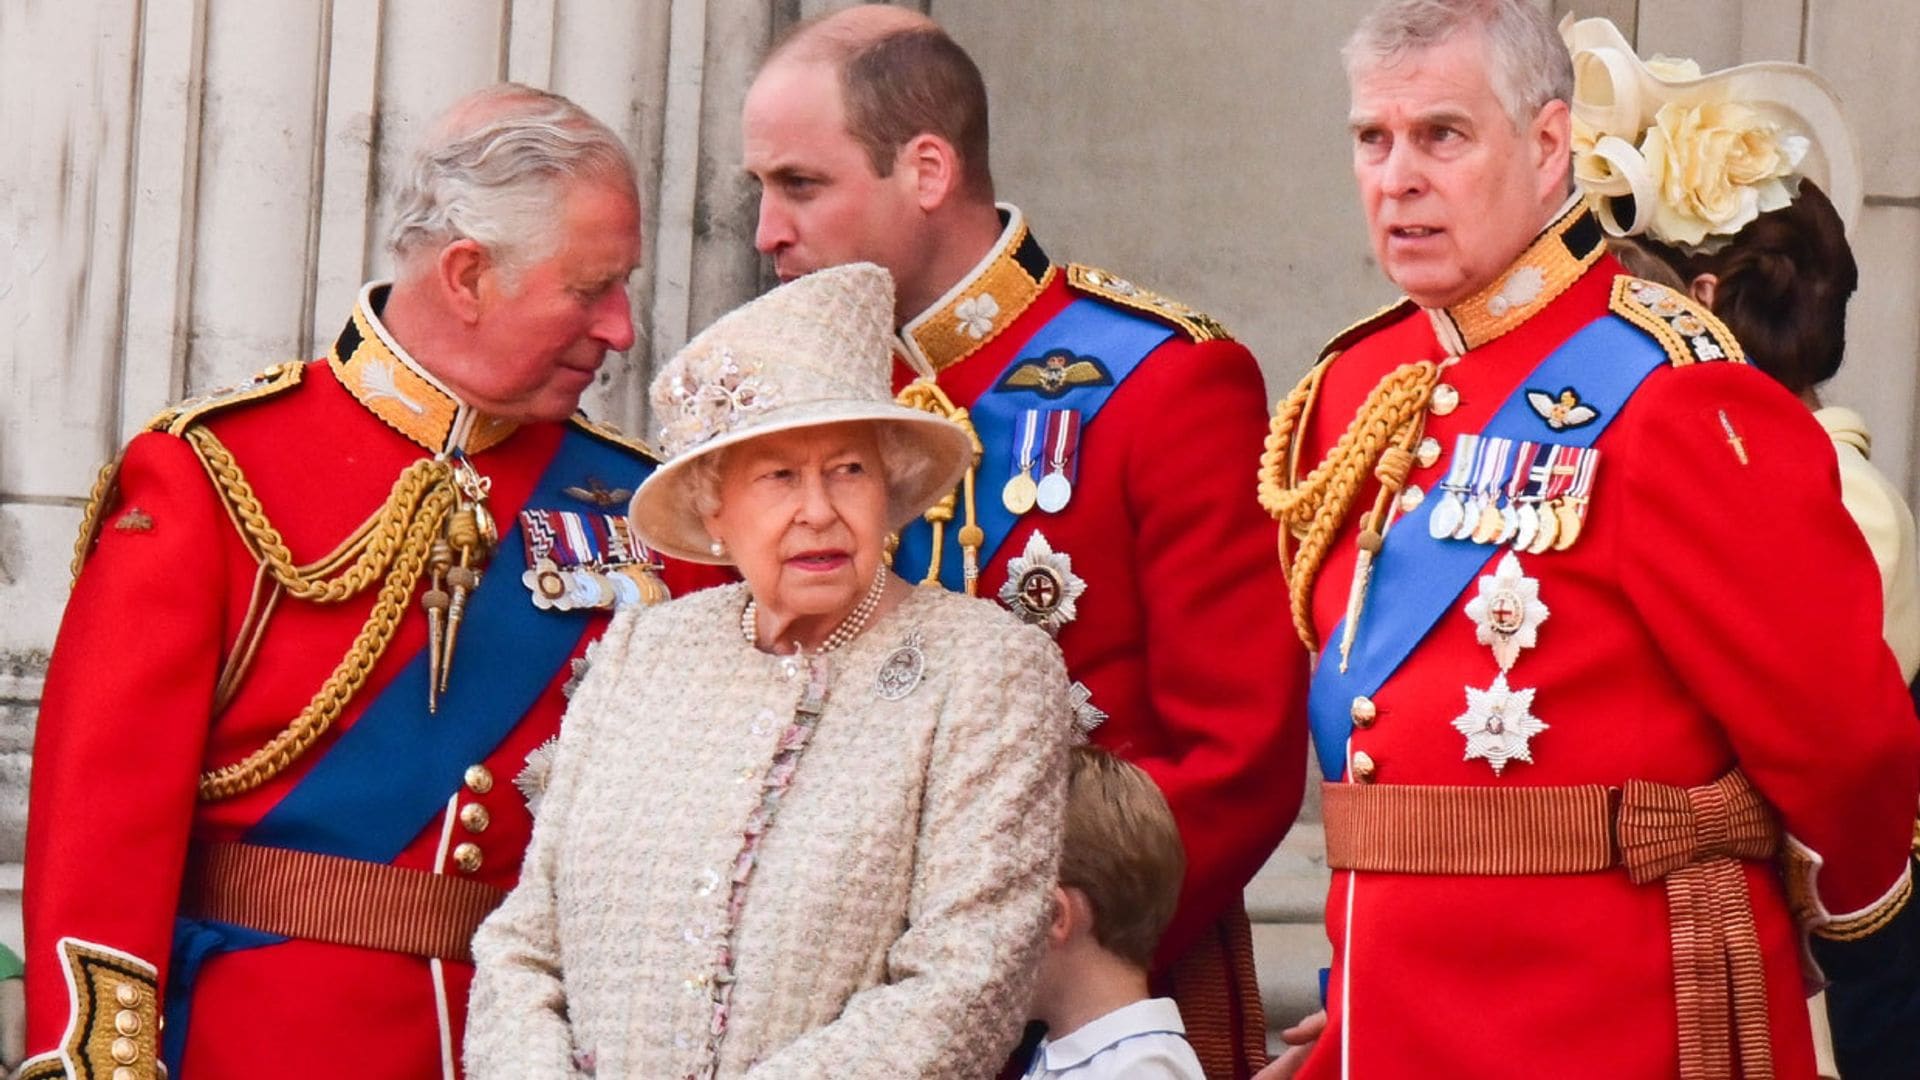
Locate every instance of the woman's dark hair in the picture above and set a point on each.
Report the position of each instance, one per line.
(1784, 281)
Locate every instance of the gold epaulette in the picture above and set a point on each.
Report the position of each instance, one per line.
(279, 378)
(1683, 326)
(1196, 325)
(613, 436)
(175, 420)
(1379, 320)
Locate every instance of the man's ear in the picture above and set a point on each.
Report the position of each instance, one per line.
(932, 166)
(1551, 136)
(459, 275)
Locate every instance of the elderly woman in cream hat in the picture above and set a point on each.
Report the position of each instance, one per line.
(806, 825)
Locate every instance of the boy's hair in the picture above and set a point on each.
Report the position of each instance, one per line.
(1122, 850)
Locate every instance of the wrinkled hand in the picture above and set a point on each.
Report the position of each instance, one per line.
(1299, 1039)
(13, 1022)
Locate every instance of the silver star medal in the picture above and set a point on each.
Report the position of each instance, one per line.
(1507, 613)
(1086, 716)
(532, 780)
(1041, 586)
(1498, 722)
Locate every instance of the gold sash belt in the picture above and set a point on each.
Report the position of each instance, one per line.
(300, 894)
(1692, 838)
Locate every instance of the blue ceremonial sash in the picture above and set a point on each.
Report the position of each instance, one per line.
(1416, 578)
(391, 773)
(1118, 339)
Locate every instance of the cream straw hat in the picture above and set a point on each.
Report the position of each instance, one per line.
(817, 350)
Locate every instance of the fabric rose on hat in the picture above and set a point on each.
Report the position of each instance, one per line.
(1718, 165)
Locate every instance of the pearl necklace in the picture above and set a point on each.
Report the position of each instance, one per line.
(850, 626)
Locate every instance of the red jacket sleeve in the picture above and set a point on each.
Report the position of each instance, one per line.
(122, 726)
(1759, 589)
(1226, 677)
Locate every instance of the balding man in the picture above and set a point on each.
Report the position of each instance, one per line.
(322, 631)
(1107, 505)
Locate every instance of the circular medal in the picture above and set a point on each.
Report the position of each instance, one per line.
(1487, 529)
(1527, 526)
(1446, 516)
(590, 590)
(1570, 524)
(652, 589)
(1469, 519)
(626, 591)
(1054, 493)
(1549, 529)
(1509, 524)
(1019, 494)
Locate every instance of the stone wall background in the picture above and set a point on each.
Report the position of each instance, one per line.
(195, 189)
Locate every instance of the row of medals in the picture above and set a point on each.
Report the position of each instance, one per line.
(594, 588)
(1486, 518)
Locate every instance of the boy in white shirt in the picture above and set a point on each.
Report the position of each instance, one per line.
(1120, 876)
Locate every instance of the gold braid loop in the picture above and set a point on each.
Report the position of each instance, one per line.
(348, 676)
(1314, 508)
(96, 509)
(374, 545)
(925, 395)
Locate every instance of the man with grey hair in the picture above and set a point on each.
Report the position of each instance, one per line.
(1567, 711)
(359, 588)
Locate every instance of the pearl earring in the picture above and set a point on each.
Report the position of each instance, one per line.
(718, 547)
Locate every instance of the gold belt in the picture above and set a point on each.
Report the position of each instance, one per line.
(1692, 838)
(300, 894)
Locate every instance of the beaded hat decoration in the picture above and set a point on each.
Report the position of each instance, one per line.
(1689, 158)
(817, 350)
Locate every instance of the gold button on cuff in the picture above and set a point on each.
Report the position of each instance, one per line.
(475, 818)
(479, 779)
(126, 1022)
(1364, 712)
(126, 995)
(467, 857)
(1427, 452)
(124, 1050)
(1411, 499)
(1363, 766)
(1445, 399)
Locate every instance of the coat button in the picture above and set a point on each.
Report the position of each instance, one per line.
(126, 1022)
(479, 779)
(124, 1073)
(467, 857)
(1411, 499)
(1363, 766)
(1445, 399)
(124, 1050)
(126, 995)
(475, 818)
(1364, 712)
(1427, 452)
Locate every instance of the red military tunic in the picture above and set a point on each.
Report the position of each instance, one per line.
(1719, 610)
(132, 717)
(1181, 634)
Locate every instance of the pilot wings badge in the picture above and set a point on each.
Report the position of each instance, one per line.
(1056, 373)
(1563, 411)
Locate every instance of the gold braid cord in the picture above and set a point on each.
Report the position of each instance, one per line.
(1379, 440)
(394, 542)
(96, 509)
(924, 394)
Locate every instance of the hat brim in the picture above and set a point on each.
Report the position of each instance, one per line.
(665, 516)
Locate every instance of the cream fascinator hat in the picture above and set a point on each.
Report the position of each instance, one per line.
(1690, 159)
(817, 350)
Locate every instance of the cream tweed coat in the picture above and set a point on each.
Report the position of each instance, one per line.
(894, 916)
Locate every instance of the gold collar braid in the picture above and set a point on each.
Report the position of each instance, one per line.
(1380, 439)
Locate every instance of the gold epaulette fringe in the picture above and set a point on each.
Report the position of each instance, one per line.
(391, 546)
